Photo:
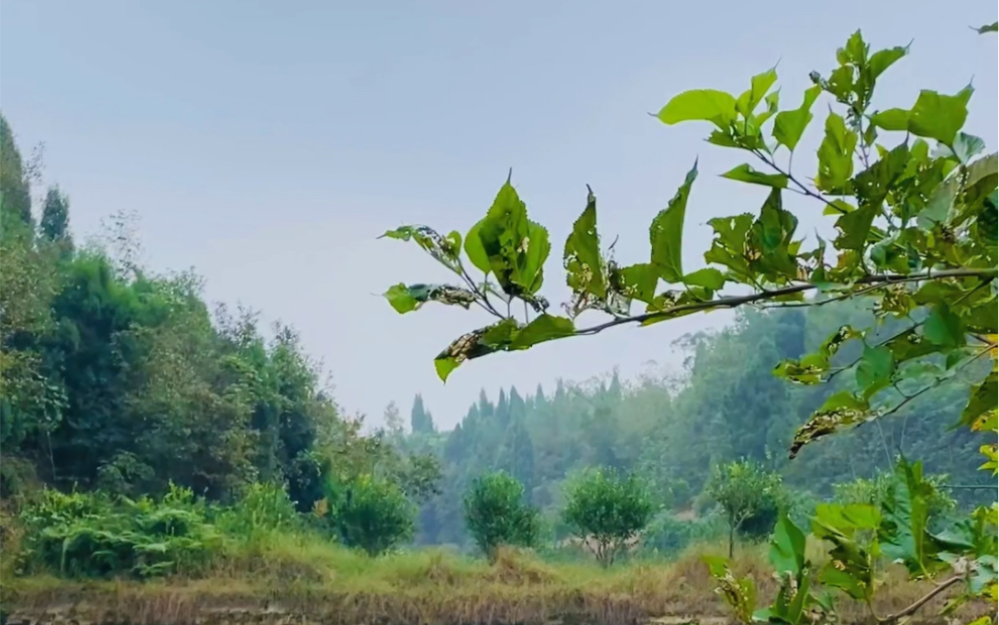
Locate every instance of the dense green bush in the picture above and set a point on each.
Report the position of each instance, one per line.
(496, 514)
(92, 535)
(608, 509)
(370, 513)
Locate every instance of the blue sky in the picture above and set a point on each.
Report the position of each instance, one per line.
(267, 144)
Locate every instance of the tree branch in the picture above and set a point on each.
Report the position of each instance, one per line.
(912, 609)
(740, 300)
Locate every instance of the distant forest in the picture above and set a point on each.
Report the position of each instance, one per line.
(725, 406)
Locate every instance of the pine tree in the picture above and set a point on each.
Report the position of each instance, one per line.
(517, 455)
(502, 415)
(615, 392)
(419, 419)
(15, 191)
(54, 225)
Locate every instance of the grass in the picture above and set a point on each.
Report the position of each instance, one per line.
(283, 577)
(255, 563)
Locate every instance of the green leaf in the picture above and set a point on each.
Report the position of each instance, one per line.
(710, 105)
(709, 278)
(854, 227)
(939, 205)
(475, 344)
(883, 59)
(841, 410)
(537, 250)
(943, 327)
(988, 28)
(850, 566)
(400, 298)
(474, 250)
(745, 173)
(770, 238)
(891, 119)
(666, 232)
(583, 262)
(982, 400)
(939, 116)
(759, 85)
(835, 154)
(542, 328)
(787, 547)
(636, 281)
(966, 147)
(445, 250)
(875, 370)
(903, 533)
(409, 298)
(790, 125)
(506, 234)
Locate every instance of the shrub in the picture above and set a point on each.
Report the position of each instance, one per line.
(262, 509)
(608, 508)
(370, 513)
(91, 535)
(874, 491)
(669, 535)
(496, 514)
(751, 497)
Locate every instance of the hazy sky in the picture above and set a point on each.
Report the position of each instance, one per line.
(267, 144)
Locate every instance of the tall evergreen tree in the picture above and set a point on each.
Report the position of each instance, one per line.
(54, 225)
(517, 454)
(419, 419)
(15, 191)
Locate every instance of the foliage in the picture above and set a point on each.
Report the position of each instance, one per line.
(370, 513)
(751, 497)
(496, 514)
(81, 535)
(915, 225)
(859, 538)
(874, 491)
(669, 535)
(608, 508)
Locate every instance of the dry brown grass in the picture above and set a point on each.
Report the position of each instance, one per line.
(294, 580)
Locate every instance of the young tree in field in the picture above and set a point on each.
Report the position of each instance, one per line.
(750, 496)
(913, 201)
(608, 509)
(496, 514)
(372, 514)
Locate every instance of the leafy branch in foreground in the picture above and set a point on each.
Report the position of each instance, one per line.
(916, 234)
(916, 223)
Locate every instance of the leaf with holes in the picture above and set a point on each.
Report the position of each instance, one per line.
(840, 411)
(405, 298)
(542, 328)
(582, 260)
(475, 344)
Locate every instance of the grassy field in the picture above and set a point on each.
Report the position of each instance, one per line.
(286, 578)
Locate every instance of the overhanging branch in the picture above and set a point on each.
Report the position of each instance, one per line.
(741, 300)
